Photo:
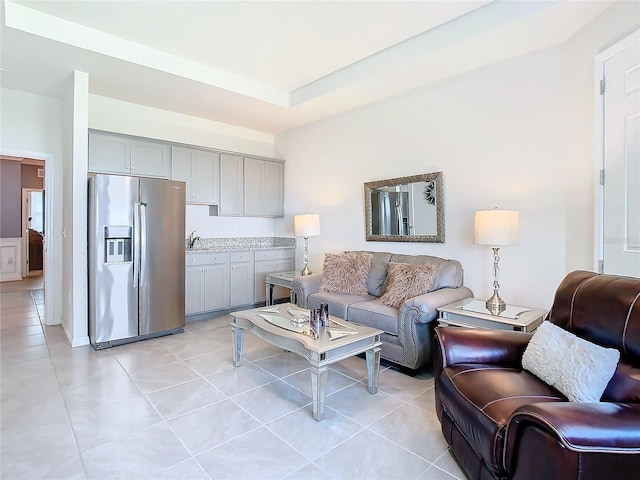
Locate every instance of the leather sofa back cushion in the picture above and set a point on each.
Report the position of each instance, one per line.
(601, 310)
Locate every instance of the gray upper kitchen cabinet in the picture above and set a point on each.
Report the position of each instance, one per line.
(199, 169)
(263, 187)
(231, 185)
(109, 153)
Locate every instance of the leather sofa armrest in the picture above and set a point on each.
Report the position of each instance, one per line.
(581, 427)
(471, 345)
(304, 286)
(427, 305)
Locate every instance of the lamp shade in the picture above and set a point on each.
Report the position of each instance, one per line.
(496, 227)
(306, 225)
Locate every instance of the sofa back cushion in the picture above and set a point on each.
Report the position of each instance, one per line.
(448, 273)
(377, 273)
(604, 309)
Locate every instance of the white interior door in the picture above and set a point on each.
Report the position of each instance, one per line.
(621, 191)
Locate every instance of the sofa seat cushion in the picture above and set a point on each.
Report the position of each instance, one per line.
(338, 302)
(480, 399)
(624, 386)
(375, 315)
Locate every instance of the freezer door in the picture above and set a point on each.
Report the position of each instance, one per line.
(113, 300)
(162, 259)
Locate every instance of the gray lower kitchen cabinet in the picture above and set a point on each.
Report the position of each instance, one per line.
(222, 280)
(267, 262)
(216, 287)
(263, 187)
(231, 185)
(242, 273)
(123, 155)
(206, 282)
(200, 170)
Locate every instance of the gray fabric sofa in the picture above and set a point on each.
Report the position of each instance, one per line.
(408, 331)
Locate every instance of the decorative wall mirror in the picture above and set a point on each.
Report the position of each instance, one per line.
(405, 209)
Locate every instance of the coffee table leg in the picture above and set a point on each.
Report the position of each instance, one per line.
(238, 340)
(373, 369)
(318, 389)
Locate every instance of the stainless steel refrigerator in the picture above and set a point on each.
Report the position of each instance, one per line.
(136, 258)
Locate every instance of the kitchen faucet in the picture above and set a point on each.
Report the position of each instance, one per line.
(192, 240)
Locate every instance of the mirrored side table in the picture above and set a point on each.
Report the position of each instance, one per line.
(473, 313)
(282, 279)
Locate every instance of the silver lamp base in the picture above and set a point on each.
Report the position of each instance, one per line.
(306, 270)
(495, 304)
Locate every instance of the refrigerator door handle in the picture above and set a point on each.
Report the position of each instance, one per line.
(136, 244)
(143, 244)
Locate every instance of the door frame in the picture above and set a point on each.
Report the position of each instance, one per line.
(598, 188)
(51, 289)
(25, 226)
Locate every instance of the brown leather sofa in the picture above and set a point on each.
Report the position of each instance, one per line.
(502, 422)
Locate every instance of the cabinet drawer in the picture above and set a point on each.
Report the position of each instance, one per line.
(241, 257)
(277, 254)
(208, 258)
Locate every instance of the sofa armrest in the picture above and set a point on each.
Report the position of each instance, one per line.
(304, 286)
(590, 441)
(415, 322)
(581, 427)
(426, 306)
(471, 345)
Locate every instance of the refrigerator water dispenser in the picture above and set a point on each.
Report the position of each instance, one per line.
(117, 244)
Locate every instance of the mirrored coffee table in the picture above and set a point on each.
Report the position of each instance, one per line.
(338, 341)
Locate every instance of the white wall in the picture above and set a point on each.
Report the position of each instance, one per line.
(613, 25)
(198, 219)
(30, 127)
(123, 117)
(504, 136)
(77, 101)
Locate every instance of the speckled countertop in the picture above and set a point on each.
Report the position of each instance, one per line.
(241, 243)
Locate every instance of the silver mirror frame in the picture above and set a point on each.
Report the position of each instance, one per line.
(438, 237)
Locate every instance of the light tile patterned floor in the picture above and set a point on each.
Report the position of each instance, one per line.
(176, 408)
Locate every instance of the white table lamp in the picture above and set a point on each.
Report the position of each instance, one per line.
(306, 226)
(496, 228)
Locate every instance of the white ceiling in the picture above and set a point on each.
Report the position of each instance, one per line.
(269, 65)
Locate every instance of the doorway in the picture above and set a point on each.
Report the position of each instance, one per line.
(618, 198)
(33, 232)
(43, 170)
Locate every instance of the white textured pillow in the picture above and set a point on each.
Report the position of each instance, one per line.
(572, 365)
